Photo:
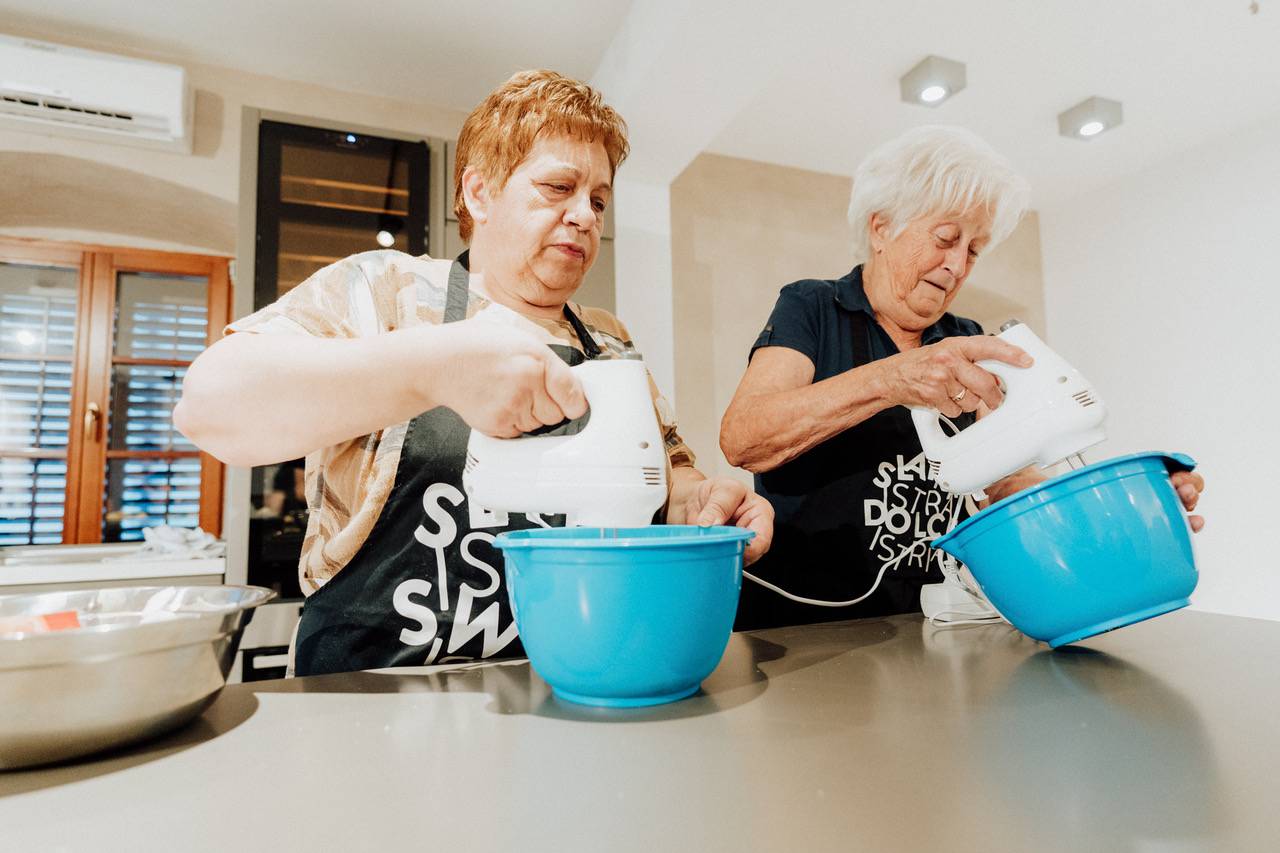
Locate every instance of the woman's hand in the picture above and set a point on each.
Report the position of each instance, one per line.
(943, 376)
(726, 501)
(1189, 485)
(503, 381)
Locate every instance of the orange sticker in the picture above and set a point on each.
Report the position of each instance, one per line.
(43, 624)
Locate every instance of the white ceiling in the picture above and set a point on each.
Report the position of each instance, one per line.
(445, 53)
(1186, 71)
(811, 84)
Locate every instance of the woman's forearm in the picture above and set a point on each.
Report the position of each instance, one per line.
(762, 431)
(254, 399)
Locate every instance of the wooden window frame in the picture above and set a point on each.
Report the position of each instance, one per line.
(92, 360)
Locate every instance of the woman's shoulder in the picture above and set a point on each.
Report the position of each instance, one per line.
(811, 288)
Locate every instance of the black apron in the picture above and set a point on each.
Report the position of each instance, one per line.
(427, 586)
(845, 509)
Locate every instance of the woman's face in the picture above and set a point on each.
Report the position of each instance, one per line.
(541, 230)
(925, 265)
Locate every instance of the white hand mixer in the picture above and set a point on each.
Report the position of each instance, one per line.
(611, 473)
(1050, 413)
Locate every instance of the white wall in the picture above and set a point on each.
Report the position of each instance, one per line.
(63, 188)
(1164, 290)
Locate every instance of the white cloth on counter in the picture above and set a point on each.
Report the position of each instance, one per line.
(175, 543)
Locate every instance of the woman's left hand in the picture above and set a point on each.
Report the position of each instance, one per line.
(1189, 485)
(722, 500)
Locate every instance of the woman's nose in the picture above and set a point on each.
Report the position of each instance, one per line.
(581, 213)
(956, 261)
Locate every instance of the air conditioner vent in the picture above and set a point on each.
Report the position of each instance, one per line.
(53, 89)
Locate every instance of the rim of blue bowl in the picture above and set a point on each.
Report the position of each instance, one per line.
(1182, 461)
(555, 537)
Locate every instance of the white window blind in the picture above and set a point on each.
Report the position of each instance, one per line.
(159, 318)
(37, 339)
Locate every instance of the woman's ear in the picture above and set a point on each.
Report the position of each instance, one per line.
(475, 194)
(878, 230)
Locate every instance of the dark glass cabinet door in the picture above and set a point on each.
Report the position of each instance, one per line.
(323, 195)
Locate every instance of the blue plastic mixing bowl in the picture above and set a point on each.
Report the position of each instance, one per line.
(1088, 551)
(624, 616)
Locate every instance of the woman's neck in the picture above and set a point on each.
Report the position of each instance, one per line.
(496, 287)
(875, 283)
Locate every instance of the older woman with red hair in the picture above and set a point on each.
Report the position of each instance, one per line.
(378, 367)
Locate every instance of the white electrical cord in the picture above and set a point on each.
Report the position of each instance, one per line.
(819, 602)
(937, 621)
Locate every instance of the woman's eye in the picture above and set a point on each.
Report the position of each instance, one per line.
(560, 188)
(599, 205)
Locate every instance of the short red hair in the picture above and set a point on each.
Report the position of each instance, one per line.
(498, 134)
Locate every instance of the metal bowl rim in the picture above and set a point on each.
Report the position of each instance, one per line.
(260, 592)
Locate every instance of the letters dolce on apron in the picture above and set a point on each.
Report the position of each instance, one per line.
(427, 586)
(860, 502)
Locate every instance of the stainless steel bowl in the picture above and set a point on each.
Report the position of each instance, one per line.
(144, 661)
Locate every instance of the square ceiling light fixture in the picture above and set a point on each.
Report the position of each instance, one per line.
(932, 81)
(1089, 118)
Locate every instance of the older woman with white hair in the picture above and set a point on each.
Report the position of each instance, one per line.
(821, 416)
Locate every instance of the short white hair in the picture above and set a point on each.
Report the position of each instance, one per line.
(935, 169)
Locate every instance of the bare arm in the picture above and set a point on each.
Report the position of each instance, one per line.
(255, 399)
(778, 412)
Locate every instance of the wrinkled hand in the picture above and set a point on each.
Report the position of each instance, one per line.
(933, 376)
(1189, 485)
(722, 500)
(504, 382)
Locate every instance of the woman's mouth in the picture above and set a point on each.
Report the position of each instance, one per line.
(570, 250)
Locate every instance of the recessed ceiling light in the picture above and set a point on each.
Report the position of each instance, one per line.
(1089, 118)
(932, 81)
(933, 93)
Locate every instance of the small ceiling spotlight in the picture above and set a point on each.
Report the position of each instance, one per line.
(932, 81)
(1089, 118)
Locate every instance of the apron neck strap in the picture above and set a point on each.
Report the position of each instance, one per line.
(862, 331)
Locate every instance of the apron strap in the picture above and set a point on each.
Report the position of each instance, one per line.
(456, 298)
(589, 346)
(861, 331)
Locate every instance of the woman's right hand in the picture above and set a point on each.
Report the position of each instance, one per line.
(505, 382)
(943, 376)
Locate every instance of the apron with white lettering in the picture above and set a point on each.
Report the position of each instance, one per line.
(427, 586)
(859, 504)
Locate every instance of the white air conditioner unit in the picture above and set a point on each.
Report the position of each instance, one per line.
(54, 89)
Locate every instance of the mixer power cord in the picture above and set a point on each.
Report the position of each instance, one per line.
(817, 601)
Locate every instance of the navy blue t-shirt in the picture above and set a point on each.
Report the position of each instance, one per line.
(861, 501)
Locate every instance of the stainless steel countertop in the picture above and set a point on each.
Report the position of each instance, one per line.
(873, 735)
